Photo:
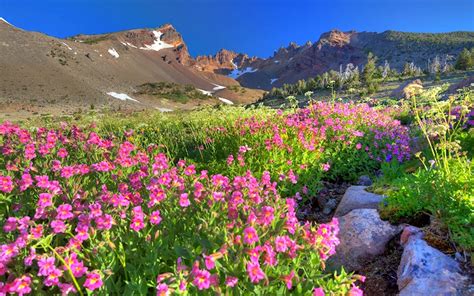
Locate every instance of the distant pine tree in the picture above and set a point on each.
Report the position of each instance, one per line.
(465, 60)
(369, 73)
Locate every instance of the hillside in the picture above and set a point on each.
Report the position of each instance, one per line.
(46, 74)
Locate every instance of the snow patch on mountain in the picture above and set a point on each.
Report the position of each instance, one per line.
(236, 73)
(65, 44)
(218, 87)
(121, 96)
(113, 52)
(206, 92)
(164, 109)
(226, 101)
(128, 44)
(158, 44)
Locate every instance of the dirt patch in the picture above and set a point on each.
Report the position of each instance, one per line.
(313, 209)
(381, 272)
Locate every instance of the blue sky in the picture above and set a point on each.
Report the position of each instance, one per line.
(256, 27)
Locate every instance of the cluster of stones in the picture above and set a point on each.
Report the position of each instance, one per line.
(423, 270)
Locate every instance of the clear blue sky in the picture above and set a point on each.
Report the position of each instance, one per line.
(256, 27)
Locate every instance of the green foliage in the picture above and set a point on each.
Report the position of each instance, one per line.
(94, 39)
(447, 40)
(171, 91)
(448, 197)
(442, 186)
(465, 60)
(369, 73)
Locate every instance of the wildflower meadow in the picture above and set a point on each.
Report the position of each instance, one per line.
(204, 204)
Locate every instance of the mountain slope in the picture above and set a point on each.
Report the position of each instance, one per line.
(336, 48)
(84, 70)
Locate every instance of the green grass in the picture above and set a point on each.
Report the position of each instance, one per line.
(172, 91)
(448, 198)
(95, 40)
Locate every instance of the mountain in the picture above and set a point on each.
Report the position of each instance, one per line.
(152, 68)
(333, 50)
(46, 74)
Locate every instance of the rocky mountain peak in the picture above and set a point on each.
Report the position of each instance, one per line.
(336, 38)
(292, 46)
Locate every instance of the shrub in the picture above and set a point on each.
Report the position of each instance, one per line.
(443, 185)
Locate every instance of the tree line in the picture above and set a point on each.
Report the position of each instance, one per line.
(367, 80)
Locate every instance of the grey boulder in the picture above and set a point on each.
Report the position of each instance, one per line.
(364, 181)
(363, 235)
(424, 270)
(357, 198)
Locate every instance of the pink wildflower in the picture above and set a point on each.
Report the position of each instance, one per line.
(93, 281)
(318, 292)
(183, 200)
(52, 279)
(255, 272)
(326, 167)
(288, 279)
(162, 290)
(267, 216)
(202, 279)
(250, 235)
(210, 262)
(45, 200)
(64, 212)
(21, 285)
(155, 218)
(231, 281)
(6, 184)
(58, 226)
(46, 265)
(355, 291)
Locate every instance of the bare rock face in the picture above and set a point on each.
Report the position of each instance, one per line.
(357, 198)
(224, 61)
(424, 270)
(363, 235)
(336, 38)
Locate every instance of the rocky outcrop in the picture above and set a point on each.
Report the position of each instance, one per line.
(335, 38)
(224, 61)
(363, 235)
(424, 270)
(356, 197)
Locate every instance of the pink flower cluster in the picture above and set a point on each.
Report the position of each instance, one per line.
(80, 205)
(325, 124)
